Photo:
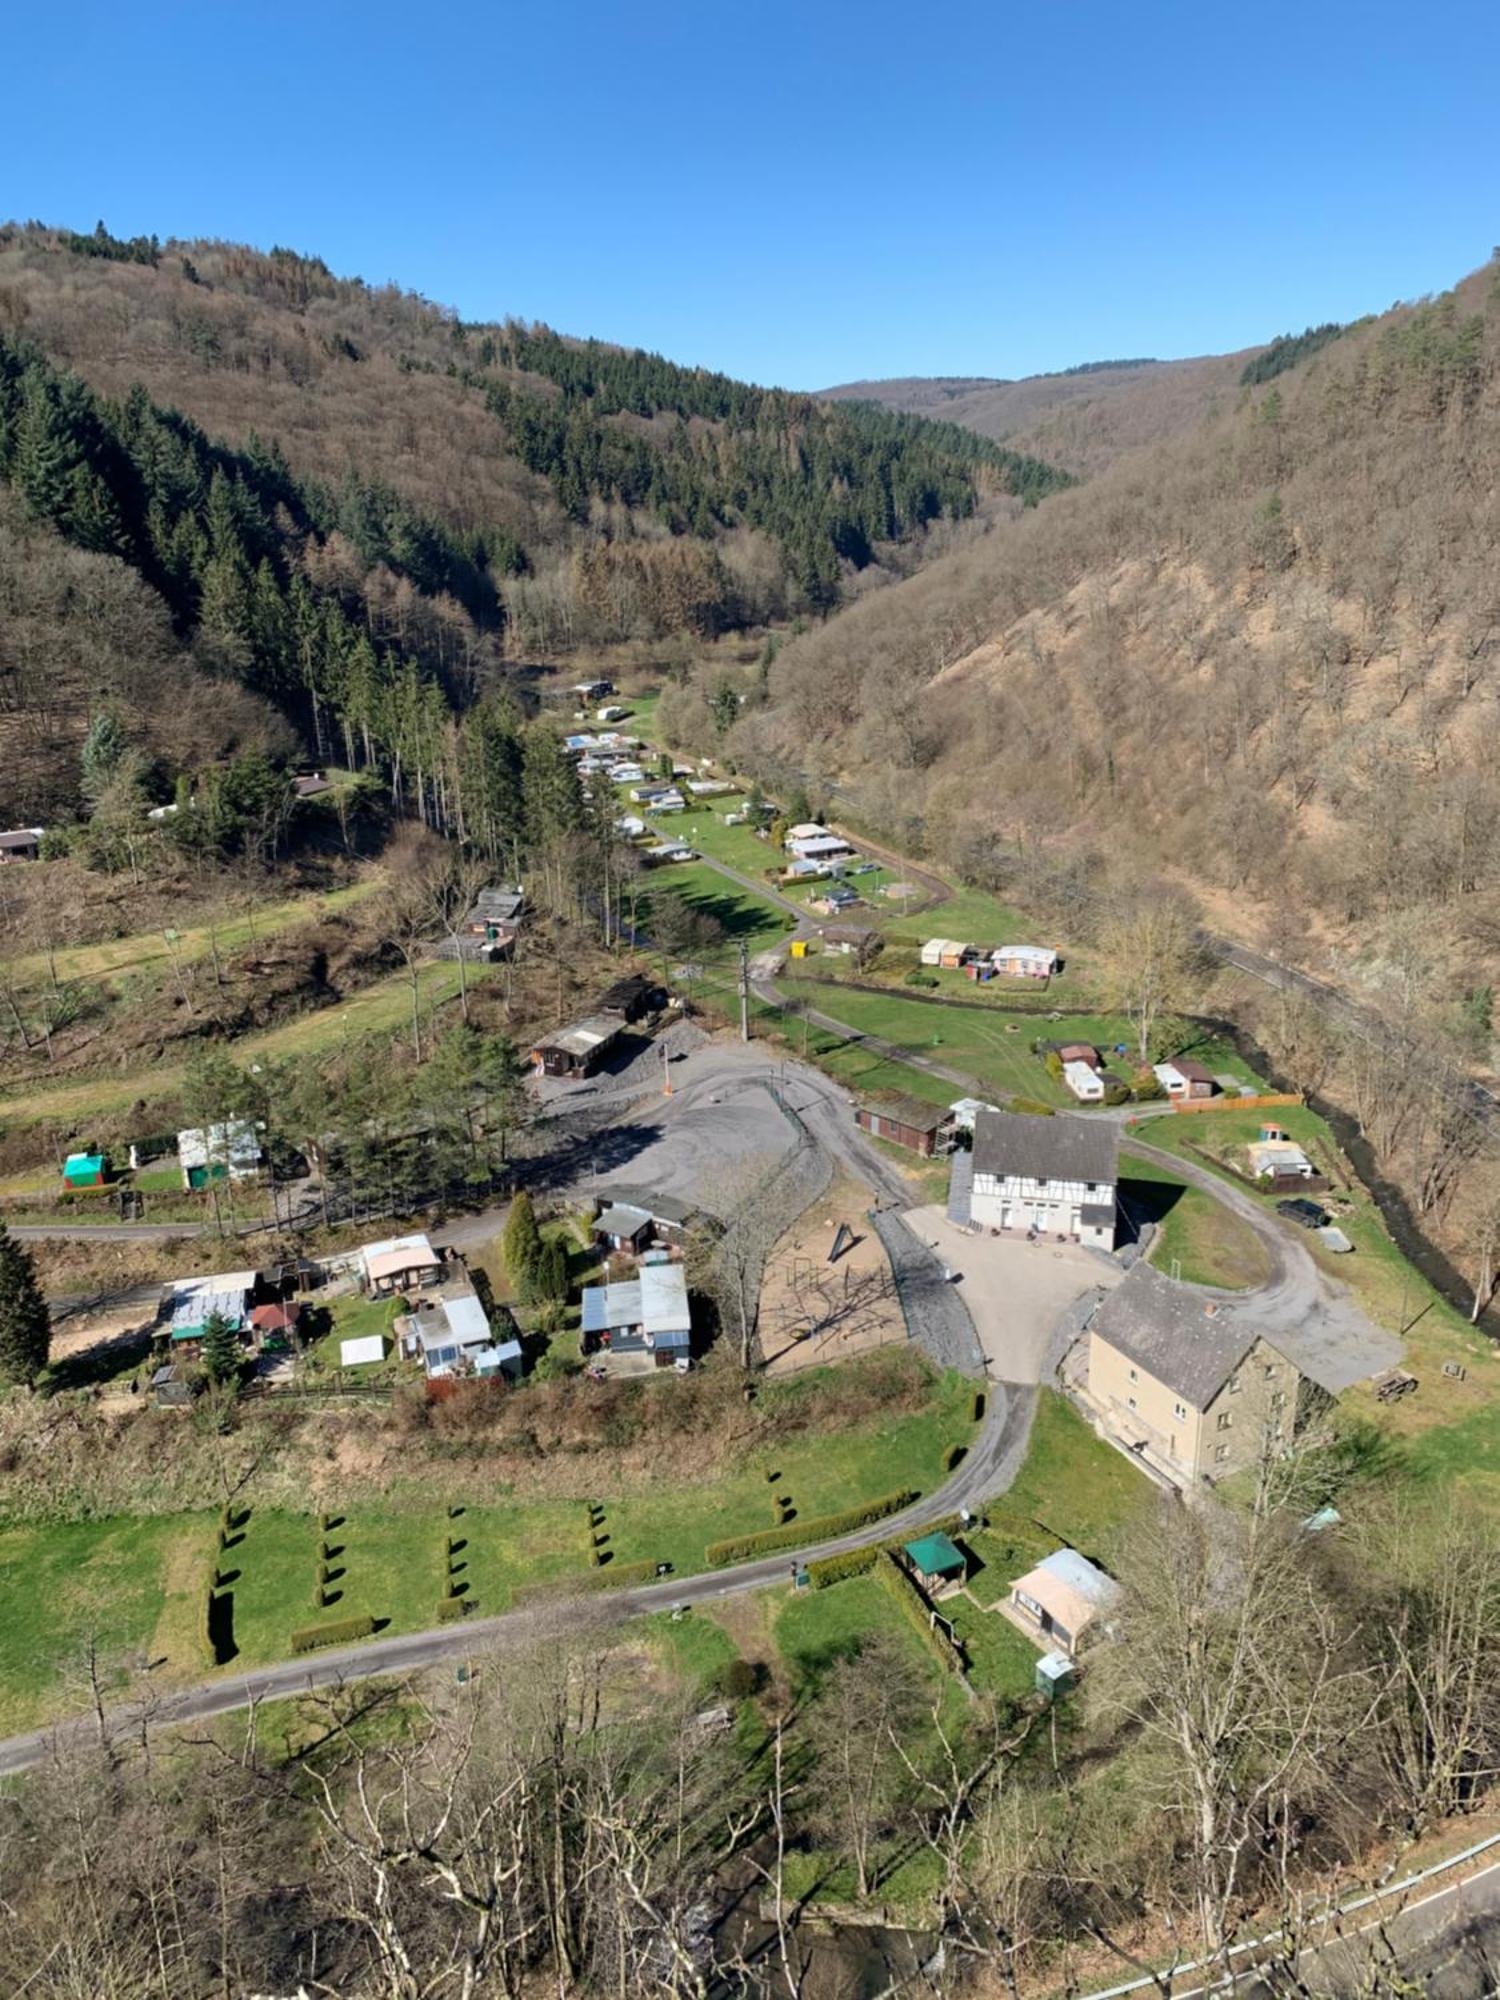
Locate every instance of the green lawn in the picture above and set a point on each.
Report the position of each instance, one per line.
(745, 918)
(1072, 1491)
(356, 1318)
(985, 1042)
(133, 1586)
(1198, 1239)
(140, 1580)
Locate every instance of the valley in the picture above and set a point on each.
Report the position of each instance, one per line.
(733, 1079)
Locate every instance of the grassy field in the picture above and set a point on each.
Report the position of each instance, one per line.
(1198, 1239)
(376, 1009)
(746, 918)
(138, 1582)
(988, 1045)
(150, 948)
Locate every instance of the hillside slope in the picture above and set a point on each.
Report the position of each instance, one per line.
(1082, 419)
(1264, 655)
(357, 510)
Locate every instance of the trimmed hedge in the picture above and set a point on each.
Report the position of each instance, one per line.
(824, 1570)
(339, 1633)
(894, 1580)
(953, 1454)
(1031, 1108)
(822, 1529)
(450, 1610)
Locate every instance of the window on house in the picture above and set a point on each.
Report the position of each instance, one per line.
(1226, 1418)
(1278, 1398)
(1133, 1376)
(1270, 1370)
(1221, 1451)
(1179, 1411)
(1234, 1385)
(1131, 1401)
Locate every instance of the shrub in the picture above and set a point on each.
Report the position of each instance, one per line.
(339, 1632)
(610, 1576)
(978, 1406)
(1030, 1108)
(208, 1640)
(1147, 1088)
(450, 1609)
(736, 1679)
(894, 1580)
(451, 1588)
(920, 978)
(322, 1572)
(836, 1569)
(738, 1548)
(953, 1454)
(1052, 1062)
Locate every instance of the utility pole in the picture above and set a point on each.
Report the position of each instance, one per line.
(744, 994)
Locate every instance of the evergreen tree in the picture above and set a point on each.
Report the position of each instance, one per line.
(551, 1277)
(104, 749)
(219, 1348)
(25, 1325)
(521, 1245)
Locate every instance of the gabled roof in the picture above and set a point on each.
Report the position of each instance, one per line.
(1189, 1342)
(660, 1207)
(1046, 1149)
(234, 1142)
(1069, 1587)
(395, 1254)
(913, 1111)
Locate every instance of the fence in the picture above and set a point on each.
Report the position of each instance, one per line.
(1265, 1101)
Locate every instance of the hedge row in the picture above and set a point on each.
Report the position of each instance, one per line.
(859, 1562)
(894, 1580)
(338, 1633)
(797, 1533)
(450, 1609)
(952, 1455)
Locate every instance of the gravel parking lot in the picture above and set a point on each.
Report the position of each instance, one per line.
(1016, 1291)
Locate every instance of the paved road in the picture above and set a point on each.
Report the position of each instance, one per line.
(988, 1469)
(1311, 1315)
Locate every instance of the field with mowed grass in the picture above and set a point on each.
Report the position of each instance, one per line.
(140, 1583)
(1198, 1239)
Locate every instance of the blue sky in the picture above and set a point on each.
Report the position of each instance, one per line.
(800, 193)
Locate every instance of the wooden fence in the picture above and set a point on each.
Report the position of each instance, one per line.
(1264, 1101)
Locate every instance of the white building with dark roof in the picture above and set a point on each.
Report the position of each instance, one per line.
(1058, 1176)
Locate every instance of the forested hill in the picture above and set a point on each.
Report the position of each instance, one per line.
(1263, 656)
(353, 509)
(1080, 418)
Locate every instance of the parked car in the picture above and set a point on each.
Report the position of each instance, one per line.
(1304, 1212)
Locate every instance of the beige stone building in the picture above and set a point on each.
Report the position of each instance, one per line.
(1186, 1382)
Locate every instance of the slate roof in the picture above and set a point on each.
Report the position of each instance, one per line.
(1046, 1149)
(1190, 1343)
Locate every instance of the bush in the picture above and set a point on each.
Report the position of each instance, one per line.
(894, 1580)
(837, 1569)
(450, 1610)
(953, 1455)
(340, 1632)
(736, 1679)
(1052, 1062)
(739, 1548)
(1029, 1107)
(1147, 1088)
(610, 1576)
(920, 978)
